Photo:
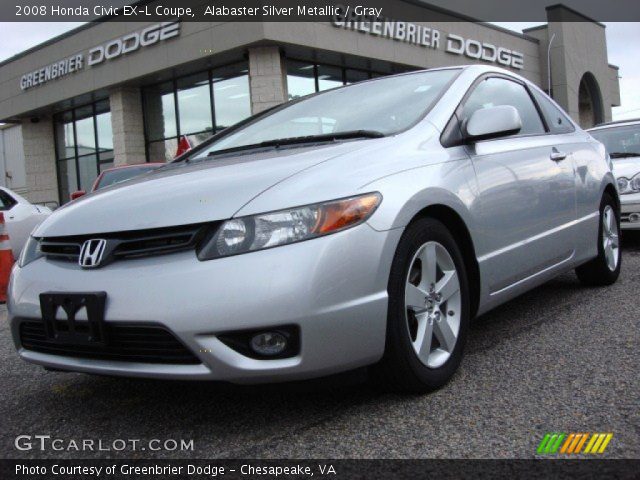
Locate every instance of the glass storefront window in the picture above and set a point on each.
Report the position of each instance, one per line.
(301, 79)
(232, 101)
(195, 106)
(88, 171)
(84, 146)
(105, 134)
(65, 144)
(305, 78)
(68, 178)
(329, 77)
(85, 131)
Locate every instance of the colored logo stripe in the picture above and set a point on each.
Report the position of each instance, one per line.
(550, 442)
(598, 442)
(573, 443)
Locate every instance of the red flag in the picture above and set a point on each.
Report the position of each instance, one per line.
(184, 145)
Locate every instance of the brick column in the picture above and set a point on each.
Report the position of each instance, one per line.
(267, 78)
(40, 161)
(127, 126)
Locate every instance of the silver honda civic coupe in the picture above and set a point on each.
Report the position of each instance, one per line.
(361, 226)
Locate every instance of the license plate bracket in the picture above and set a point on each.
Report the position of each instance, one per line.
(70, 330)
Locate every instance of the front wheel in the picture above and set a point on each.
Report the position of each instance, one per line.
(605, 268)
(428, 310)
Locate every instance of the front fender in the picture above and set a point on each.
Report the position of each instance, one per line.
(405, 194)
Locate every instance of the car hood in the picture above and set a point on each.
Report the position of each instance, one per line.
(188, 193)
(626, 167)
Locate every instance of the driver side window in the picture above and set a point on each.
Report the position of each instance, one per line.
(493, 92)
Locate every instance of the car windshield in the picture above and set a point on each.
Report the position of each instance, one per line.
(620, 142)
(112, 177)
(370, 109)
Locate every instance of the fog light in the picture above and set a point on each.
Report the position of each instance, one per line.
(634, 217)
(268, 343)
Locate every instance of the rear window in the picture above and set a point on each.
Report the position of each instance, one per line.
(6, 201)
(556, 119)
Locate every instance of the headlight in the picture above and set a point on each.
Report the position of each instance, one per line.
(626, 186)
(248, 234)
(30, 252)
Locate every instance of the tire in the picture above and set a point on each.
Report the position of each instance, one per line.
(408, 364)
(605, 268)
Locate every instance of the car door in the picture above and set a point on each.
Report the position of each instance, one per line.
(527, 191)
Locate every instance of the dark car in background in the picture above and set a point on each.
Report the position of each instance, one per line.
(114, 175)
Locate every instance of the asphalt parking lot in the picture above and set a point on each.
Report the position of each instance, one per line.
(560, 359)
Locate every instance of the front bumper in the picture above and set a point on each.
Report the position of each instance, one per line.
(630, 211)
(333, 288)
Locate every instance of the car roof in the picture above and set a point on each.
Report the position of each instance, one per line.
(617, 123)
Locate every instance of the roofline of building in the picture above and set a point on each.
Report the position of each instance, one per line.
(614, 123)
(575, 12)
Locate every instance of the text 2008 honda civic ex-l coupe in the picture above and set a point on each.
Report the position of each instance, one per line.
(364, 225)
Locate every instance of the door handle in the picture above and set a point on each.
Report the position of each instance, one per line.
(557, 156)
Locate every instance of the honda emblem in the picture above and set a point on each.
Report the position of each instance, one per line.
(92, 252)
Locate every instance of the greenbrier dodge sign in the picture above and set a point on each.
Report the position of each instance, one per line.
(97, 55)
(431, 38)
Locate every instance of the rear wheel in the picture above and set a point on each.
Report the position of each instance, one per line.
(428, 310)
(605, 268)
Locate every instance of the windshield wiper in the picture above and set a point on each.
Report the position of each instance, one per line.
(325, 137)
(624, 154)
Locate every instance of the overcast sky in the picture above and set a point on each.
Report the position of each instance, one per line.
(623, 41)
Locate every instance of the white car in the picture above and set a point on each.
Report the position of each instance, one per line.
(622, 141)
(20, 217)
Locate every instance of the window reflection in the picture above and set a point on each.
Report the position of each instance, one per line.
(301, 79)
(194, 104)
(206, 102)
(232, 101)
(304, 78)
(84, 146)
(329, 77)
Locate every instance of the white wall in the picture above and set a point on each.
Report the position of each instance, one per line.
(12, 166)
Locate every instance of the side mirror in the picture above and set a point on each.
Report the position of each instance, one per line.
(492, 122)
(77, 194)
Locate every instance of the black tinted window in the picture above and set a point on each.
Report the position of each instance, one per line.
(556, 119)
(6, 201)
(494, 92)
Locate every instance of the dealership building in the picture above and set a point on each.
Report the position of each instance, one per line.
(116, 93)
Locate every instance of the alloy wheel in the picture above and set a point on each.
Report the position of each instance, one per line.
(610, 238)
(433, 304)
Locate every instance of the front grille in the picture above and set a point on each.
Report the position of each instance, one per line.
(126, 342)
(129, 244)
